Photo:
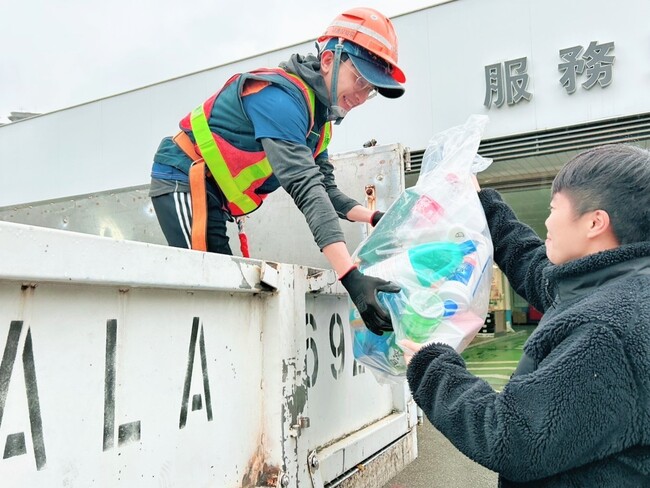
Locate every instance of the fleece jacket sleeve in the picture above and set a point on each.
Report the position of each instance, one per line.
(540, 424)
(518, 250)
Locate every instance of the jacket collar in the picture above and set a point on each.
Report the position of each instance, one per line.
(581, 276)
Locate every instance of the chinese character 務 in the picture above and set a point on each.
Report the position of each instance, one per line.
(595, 62)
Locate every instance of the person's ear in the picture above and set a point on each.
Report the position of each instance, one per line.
(599, 223)
(326, 61)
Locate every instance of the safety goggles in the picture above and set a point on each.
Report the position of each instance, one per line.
(361, 84)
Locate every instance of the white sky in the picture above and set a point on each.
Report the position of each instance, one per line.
(59, 53)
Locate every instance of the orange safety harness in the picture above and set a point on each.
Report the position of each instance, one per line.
(198, 175)
(197, 190)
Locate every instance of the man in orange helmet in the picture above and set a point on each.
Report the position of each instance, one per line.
(269, 128)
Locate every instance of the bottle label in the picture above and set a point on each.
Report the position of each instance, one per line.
(463, 273)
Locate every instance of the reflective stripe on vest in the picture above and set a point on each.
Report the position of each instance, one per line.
(235, 188)
(232, 187)
(326, 133)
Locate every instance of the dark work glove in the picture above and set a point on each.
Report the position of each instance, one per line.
(376, 217)
(363, 292)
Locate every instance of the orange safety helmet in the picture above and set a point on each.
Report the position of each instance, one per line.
(371, 30)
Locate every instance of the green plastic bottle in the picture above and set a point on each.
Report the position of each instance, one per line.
(421, 315)
(425, 264)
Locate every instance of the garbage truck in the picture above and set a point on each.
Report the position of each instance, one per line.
(125, 362)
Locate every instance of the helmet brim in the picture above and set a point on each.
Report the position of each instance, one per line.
(377, 76)
(375, 69)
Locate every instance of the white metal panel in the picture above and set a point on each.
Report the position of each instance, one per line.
(351, 450)
(68, 328)
(277, 231)
(31, 253)
(331, 368)
(120, 367)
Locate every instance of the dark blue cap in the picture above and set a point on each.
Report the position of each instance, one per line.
(374, 69)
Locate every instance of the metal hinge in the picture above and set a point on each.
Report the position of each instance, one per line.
(302, 423)
(407, 159)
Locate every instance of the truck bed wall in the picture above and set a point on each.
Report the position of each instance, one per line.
(134, 364)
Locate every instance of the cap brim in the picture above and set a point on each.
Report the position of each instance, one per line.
(378, 77)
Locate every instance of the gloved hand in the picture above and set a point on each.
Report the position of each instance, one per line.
(374, 220)
(363, 292)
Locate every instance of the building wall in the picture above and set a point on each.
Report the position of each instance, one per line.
(444, 51)
(454, 42)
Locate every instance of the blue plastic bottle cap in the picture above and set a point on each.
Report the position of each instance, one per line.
(467, 247)
(450, 308)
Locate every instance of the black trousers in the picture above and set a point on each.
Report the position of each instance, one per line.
(174, 212)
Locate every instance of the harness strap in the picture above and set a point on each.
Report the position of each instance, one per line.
(197, 191)
(230, 186)
(199, 206)
(243, 238)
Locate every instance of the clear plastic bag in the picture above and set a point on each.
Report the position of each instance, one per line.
(434, 243)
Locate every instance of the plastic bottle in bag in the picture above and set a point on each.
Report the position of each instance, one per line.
(455, 296)
(422, 314)
(422, 223)
(384, 239)
(426, 212)
(380, 352)
(458, 289)
(425, 264)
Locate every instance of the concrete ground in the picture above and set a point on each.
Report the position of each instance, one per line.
(440, 464)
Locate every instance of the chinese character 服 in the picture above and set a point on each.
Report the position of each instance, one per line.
(493, 84)
(595, 61)
(511, 87)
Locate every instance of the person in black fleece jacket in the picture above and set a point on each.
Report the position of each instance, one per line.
(576, 412)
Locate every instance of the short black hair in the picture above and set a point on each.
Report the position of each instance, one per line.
(614, 178)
